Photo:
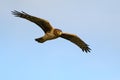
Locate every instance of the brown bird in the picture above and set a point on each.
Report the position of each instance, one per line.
(50, 32)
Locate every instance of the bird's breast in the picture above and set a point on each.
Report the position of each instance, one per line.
(50, 36)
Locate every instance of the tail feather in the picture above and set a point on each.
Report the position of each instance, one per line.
(40, 40)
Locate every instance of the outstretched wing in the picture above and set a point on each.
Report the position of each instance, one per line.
(76, 40)
(44, 24)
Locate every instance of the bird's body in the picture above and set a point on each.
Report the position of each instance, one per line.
(52, 33)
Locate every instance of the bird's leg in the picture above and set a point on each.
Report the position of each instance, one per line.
(40, 40)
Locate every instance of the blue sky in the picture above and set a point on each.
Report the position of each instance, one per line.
(97, 22)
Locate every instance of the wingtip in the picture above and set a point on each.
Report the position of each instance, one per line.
(15, 12)
(87, 49)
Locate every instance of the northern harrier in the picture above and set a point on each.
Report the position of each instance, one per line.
(50, 32)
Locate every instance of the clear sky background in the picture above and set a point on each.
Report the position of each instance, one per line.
(97, 22)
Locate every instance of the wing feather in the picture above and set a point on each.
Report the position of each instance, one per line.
(76, 40)
(44, 24)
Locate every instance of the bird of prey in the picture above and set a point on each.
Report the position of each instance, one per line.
(51, 32)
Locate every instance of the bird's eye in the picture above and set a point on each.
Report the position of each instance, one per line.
(57, 32)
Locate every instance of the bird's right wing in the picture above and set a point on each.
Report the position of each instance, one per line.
(44, 24)
(76, 40)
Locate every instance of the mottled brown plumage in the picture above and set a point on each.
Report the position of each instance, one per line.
(50, 32)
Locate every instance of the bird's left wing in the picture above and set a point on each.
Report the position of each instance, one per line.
(44, 24)
(76, 40)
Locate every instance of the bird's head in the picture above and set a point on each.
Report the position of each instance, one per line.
(57, 32)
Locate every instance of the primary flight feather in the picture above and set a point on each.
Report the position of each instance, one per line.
(50, 32)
